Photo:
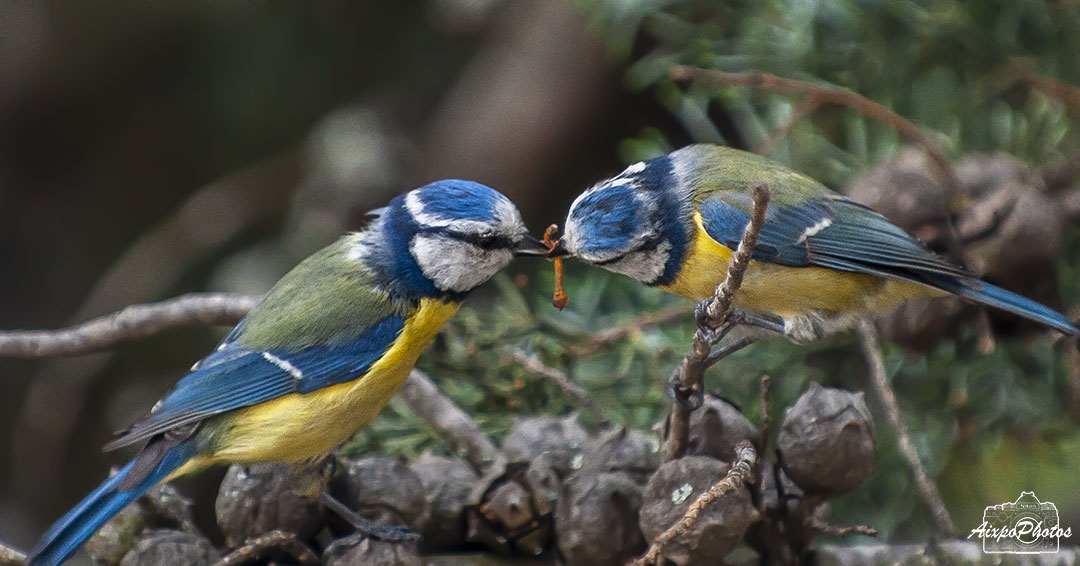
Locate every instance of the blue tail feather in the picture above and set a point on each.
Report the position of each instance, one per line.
(1008, 301)
(72, 530)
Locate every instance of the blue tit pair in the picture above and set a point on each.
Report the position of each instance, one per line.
(822, 261)
(321, 354)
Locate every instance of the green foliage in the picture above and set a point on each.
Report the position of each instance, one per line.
(948, 66)
(986, 426)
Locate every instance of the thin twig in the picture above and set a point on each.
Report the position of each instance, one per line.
(263, 545)
(687, 379)
(131, 323)
(741, 472)
(573, 390)
(835, 531)
(11, 557)
(717, 309)
(601, 339)
(1022, 70)
(830, 95)
(871, 348)
(763, 437)
(449, 420)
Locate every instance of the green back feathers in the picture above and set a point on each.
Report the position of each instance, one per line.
(329, 298)
(727, 169)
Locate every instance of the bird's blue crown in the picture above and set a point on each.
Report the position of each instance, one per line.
(633, 220)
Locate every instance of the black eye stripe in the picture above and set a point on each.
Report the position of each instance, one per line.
(488, 242)
(646, 246)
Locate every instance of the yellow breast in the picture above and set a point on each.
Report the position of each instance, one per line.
(787, 291)
(297, 427)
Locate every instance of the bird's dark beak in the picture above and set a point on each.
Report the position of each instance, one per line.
(560, 250)
(530, 246)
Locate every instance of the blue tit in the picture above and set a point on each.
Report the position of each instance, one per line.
(321, 354)
(822, 261)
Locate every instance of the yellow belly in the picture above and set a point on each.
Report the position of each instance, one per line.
(297, 426)
(789, 292)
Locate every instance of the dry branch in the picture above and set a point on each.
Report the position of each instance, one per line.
(143, 321)
(262, 546)
(11, 557)
(689, 376)
(1024, 71)
(449, 420)
(835, 531)
(573, 390)
(742, 471)
(821, 94)
(871, 348)
(131, 323)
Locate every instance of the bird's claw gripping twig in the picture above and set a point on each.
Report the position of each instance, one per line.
(712, 332)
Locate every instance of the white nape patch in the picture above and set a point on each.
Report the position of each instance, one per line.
(358, 245)
(506, 219)
(634, 169)
(284, 365)
(819, 226)
(455, 265)
(643, 265)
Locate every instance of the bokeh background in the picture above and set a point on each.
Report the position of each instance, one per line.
(153, 149)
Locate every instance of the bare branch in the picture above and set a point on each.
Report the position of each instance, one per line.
(689, 376)
(764, 391)
(449, 420)
(131, 323)
(871, 348)
(263, 545)
(742, 471)
(1024, 71)
(573, 390)
(11, 557)
(835, 531)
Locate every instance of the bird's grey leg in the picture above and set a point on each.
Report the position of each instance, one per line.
(734, 318)
(309, 477)
(767, 323)
(367, 527)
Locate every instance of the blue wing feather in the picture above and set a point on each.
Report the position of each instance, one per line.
(233, 377)
(854, 238)
(850, 237)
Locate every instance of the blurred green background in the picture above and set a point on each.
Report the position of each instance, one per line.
(152, 149)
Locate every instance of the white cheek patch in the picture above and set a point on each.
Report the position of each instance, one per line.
(454, 265)
(644, 265)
